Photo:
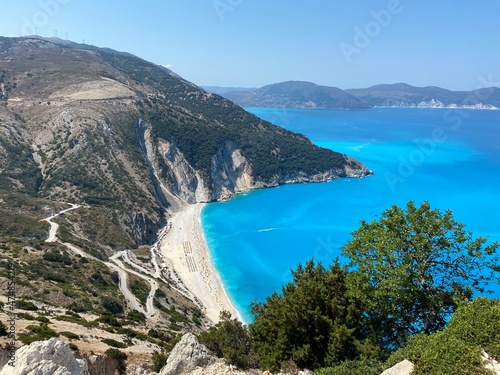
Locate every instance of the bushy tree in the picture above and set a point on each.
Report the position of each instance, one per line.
(478, 323)
(159, 361)
(354, 367)
(112, 305)
(411, 268)
(457, 349)
(441, 353)
(230, 339)
(313, 322)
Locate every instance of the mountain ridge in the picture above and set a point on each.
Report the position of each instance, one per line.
(404, 95)
(298, 94)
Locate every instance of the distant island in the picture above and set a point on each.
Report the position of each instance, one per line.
(300, 94)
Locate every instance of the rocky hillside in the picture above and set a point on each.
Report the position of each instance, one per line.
(110, 130)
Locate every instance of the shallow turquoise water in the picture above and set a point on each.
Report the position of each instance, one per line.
(450, 158)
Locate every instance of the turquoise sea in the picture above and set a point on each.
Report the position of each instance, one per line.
(450, 158)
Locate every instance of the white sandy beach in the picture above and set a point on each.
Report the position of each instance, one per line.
(186, 254)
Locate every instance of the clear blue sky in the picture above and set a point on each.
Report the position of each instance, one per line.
(251, 43)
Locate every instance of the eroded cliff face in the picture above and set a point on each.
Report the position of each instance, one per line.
(231, 173)
(175, 180)
(180, 182)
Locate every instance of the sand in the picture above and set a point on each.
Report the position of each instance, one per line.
(186, 254)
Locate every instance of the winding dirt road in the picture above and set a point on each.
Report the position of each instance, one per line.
(54, 226)
(115, 265)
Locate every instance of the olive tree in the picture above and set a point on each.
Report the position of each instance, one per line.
(412, 267)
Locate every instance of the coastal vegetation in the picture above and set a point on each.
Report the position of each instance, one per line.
(230, 339)
(272, 151)
(406, 292)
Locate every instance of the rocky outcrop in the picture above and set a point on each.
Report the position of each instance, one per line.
(490, 363)
(189, 357)
(101, 365)
(4, 357)
(180, 177)
(137, 370)
(186, 356)
(402, 368)
(231, 173)
(46, 357)
(140, 226)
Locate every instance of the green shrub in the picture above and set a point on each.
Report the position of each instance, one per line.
(37, 333)
(478, 323)
(114, 343)
(440, 353)
(446, 354)
(26, 305)
(109, 319)
(136, 316)
(458, 348)
(27, 316)
(3, 329)
(230, 339)
(70, 335)
(56, 256)
(140, 289)
(42, 319)
(112, 305)
(353, 367)
(159, 361)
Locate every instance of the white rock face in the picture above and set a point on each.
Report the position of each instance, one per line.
(490, 363)
(46, 357)
(231, 173)
(402, 368)
(186, 356)
(185, 182)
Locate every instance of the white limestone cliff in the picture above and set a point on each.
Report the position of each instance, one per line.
(46, 357)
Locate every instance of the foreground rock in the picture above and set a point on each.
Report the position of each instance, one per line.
(189, 357)
(46, 357)
(490, 363)
(186, 356)
(402, 368)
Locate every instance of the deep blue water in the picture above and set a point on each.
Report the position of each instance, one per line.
(450, 158)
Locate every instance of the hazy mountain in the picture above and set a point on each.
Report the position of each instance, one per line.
(404, 95)
(296, 94)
